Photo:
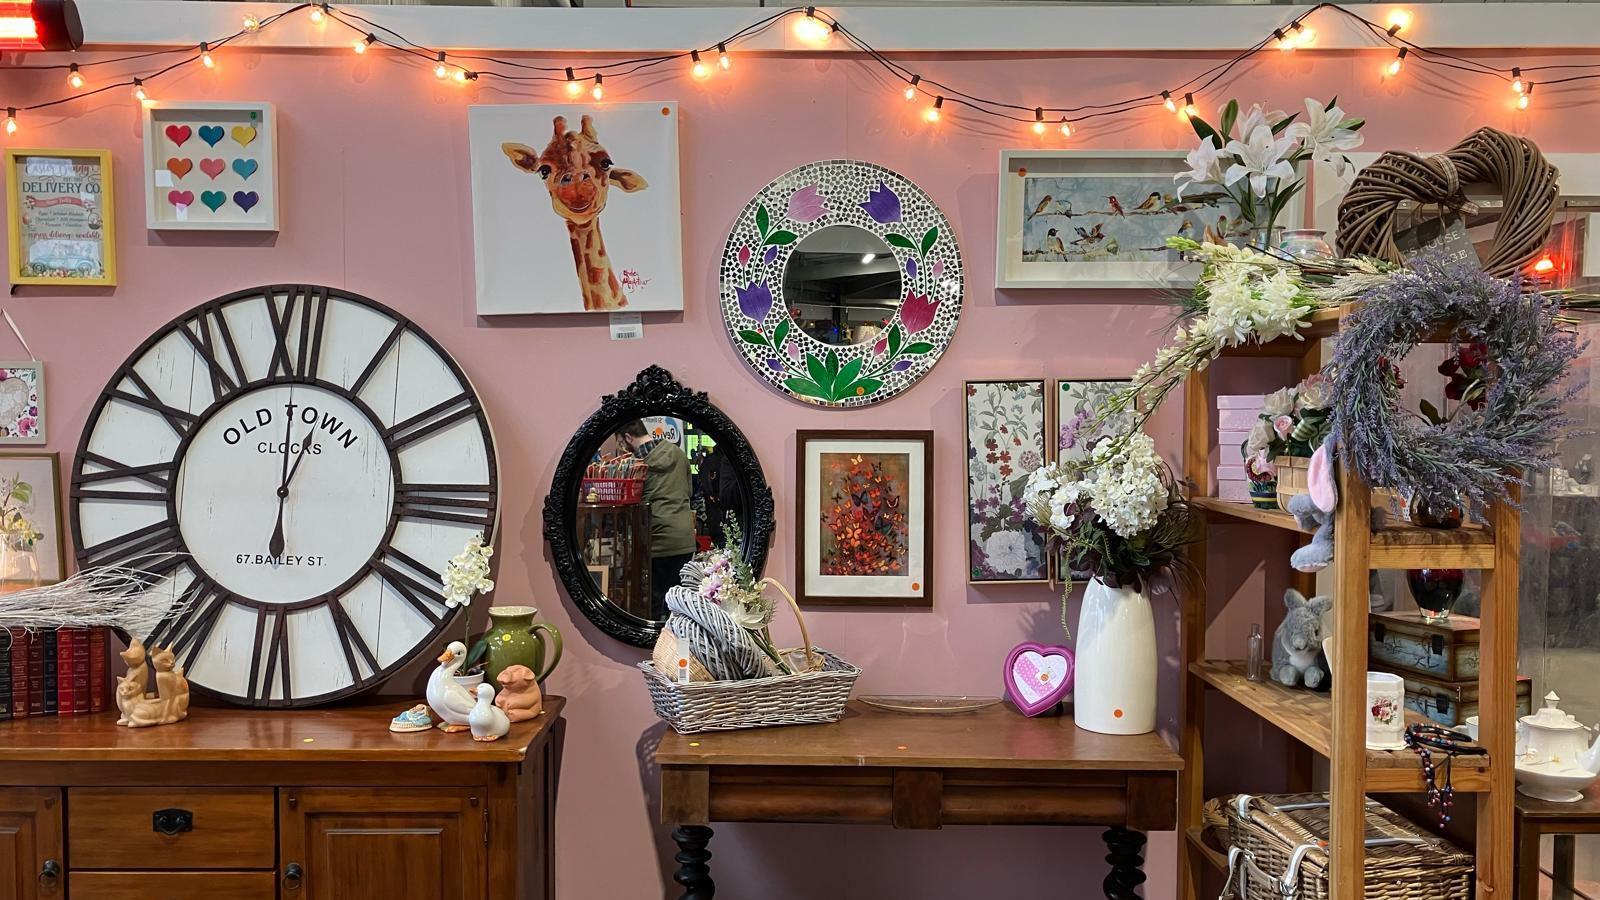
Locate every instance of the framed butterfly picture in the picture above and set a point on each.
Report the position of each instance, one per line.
(864, 518)
(210, 166)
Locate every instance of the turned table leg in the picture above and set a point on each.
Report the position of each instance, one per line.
(1125, 854)
(694, 871)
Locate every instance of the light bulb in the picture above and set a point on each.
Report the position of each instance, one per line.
(911, 89)
(1066, 128)
(1523, 99)
(810, 29)
(11, 120)
(1396, 64)
(462, 76)
(1188, 107)
(1168, 102)
(139, 93)
(722, 57)
(1285, 42)
(597, 91)
(251, 23)
(1038, 120)
(1306, 34)
(205, 56)
(440, 70)
(1516, 79)
(316, 13)
(362, 45)
(73, 78)
(699, 69)
(931, 114)
(1399, 20)
(573, 87)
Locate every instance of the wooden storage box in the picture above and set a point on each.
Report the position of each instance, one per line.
(1401, 642)
(1450, 703)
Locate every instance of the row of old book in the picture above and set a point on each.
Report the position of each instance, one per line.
(52, 672)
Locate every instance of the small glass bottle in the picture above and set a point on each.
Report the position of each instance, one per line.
(1252, 669)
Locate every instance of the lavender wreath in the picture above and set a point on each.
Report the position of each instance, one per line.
(1482, 452)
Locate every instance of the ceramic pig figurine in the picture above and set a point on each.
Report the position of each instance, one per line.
(519, 695)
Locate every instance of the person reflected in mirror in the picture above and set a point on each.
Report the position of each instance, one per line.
(667, 492)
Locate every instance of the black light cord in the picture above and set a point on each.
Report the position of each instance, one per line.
(941, 92)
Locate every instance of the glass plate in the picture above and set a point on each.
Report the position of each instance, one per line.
(929, 704)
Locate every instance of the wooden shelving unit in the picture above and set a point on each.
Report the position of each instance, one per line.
(1333, 725)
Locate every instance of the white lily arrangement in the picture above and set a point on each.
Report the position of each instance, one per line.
(1258, 159)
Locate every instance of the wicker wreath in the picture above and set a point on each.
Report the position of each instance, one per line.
(1514, 165)
(1476, 456)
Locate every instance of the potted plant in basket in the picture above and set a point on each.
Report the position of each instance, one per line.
(1293, 423)
(1121, 523)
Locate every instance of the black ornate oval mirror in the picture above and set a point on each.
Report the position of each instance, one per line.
(643, 485)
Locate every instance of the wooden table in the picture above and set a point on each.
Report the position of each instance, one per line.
(320, 804)
(1536, 818)
(990, 767)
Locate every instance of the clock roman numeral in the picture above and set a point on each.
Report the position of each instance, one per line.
(469, 504)
(158, 474)
(378, 357)
(421, 596)
(186, 633)
(350, 642)
(180, 420)
(159, 542)
(302, 363)
(435, 418)
(277, 656)
(199, 335)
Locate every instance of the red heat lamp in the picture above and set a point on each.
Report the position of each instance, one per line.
(40, 25)
(1545, 265)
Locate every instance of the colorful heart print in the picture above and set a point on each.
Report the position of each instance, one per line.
(246, 199)
(245, 167)
(1038, 677)
(178, 134)
(244, 134)
(179, 166)
(211, 134)
(181, 199)
(213, 167)
(213, 199)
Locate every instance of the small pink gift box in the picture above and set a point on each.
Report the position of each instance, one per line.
(1233, 491)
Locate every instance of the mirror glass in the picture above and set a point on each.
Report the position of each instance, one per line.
(842, 285)
(657, 491)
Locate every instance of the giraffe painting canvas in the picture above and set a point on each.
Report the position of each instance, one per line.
(576, 208)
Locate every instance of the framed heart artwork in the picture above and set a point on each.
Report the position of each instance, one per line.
(1038, 676)
(210, 166)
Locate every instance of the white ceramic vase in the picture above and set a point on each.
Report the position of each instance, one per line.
(1114, 689)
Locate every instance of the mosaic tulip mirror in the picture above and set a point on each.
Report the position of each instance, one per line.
(841, 283)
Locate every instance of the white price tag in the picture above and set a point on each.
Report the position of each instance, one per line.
(627, 326)
(163, 178)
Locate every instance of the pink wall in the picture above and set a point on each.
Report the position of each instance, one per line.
(376, 198)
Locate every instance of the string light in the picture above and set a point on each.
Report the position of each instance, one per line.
(1189, 111)
(931, 114)
(1284, 42)
(911, 89)
(462, 76)
(251, 23)
(1399, 20)
(1516, 79)
(362, 45)
(597, 91)
(440, 70)
(699, 69)
(1396, 64)
(1168, 102)
(319, 12)
(722, 57)
(1038, 120)
(205, 56)
(139, 92)
(810, 29)
(1527, 92)
(573, 87)
(11, 120)
(74, 79)
(1066, 127)
(1305, 34)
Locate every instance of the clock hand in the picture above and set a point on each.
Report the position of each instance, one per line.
(275, 546)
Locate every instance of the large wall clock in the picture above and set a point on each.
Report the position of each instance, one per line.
(298, 463)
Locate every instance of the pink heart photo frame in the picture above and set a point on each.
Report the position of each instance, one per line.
(1038, 676)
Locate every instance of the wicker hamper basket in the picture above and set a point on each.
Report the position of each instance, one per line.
(1278, 851)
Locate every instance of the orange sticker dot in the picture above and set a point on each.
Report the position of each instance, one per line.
(1044, 677)
(1022, 172)
(916, 586)
(1116, 713)
(666, 111)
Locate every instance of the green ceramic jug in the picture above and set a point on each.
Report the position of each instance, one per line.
(514, 639)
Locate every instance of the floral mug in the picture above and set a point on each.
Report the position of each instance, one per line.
(1386, 711)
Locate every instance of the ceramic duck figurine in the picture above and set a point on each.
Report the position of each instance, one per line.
(519, 694)
(451, 702)
(489, 722)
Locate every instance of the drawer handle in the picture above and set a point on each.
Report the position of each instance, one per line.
(49, 873)
(292, 873)
(172, 821)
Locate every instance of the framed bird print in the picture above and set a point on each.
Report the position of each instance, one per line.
(1101, 219)
(298, 464)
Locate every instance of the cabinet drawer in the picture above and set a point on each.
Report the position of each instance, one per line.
(217, 828)
(172, 885)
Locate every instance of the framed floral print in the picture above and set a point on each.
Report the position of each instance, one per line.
(22, 402)
(32, 546)
(60, 217)
(864, 517)
(1076, 404)
(1005, 443)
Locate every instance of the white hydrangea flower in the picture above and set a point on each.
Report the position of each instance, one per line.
(1126, 489)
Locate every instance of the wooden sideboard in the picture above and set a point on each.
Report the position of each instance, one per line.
(322, 804)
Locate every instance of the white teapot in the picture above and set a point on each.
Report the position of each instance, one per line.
(1555, 760)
